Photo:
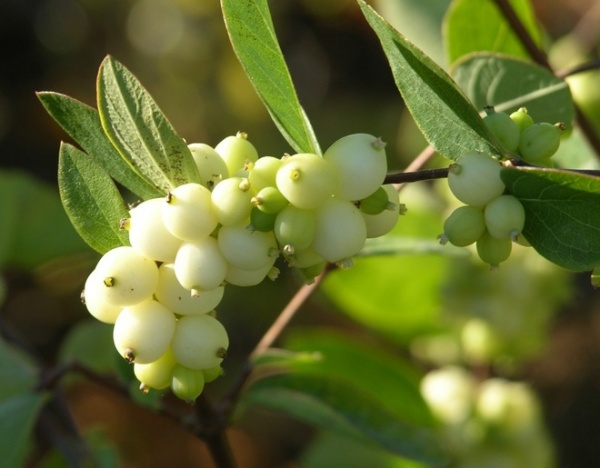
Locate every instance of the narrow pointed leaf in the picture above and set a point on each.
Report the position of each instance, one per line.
(508, 83)
(562, 212)
(91, 200)
(335, 404)
(82, 123)
(440, 109)
(252, 35)
(475, 25)
(140, 131)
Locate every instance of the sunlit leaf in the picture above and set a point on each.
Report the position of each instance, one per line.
(252, 35)
(91, 200)
(440, 109)
(562, 214)
(139, 130)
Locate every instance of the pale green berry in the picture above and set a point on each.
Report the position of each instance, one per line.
(304, 258)
(155, 374)
(247, 249)
(479, 341)
(180, 300)
(263, 172)
(245, 278)
(212, 374)
(464, 226)
(200, 266)
(237, 152)
(261, 221)
(94, 298)
(309, 273)
(382, 223)
(128, 276)
(475, 179)
(340, 232)
(148, 234)
(539, 142)
(188, 212)
(522, 119)
(295, 227)
(504, 129)
(142, 332)
(505, 217)
(361, 162)
(376, 202)
(187, 384)
(307, 180)
(270, 200)
(231, 200)
(199, 342)
(493, 251)
(449, 392)
(210, 164)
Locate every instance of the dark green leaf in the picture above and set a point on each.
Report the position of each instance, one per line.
(17, 420)
(90, 342)
(442, 112)
(252, 35)
(337, 405)
(18, 373)
(91, 200)
(562, 214)
(82, 123)
(508, 83)
(140, 131)
(475, 25)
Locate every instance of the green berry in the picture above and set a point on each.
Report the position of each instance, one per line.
(382, 223)
(493, 251)
(475, 179)
(142, 332)
(187, 384)
(245, 278)
(199, 342)
(156, 374)
(375, 203)
(261, 221)
(263, 172)
(212, 374)
(231, 200)
(295, 227)
(522, 118)
(237, 152)
(307, 180)
(464, 226)
(504, 129)
(505, 217)
(361, 162)
(270, 200)
(539, 142)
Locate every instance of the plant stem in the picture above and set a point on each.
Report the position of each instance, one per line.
(212, 431)
(541, 58)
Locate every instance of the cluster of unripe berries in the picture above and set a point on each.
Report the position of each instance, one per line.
(161, 291)
(490, 218)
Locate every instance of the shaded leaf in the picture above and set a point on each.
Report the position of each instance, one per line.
(91, 200)
(562, 214)
(476, 25)
(140, 131)
(82, 123)
(18, 373)
(442, 112)
(508, 83)
(253, 38)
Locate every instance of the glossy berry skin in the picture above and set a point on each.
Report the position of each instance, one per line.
(464, 226)
(493, 251)
(231, 200)
(236, 151)
(382, 223)
(475, 179)
(156, 374)
(210, 164)
(199, 342)
(505, 217)
(539, 142)
(187, 384)
(200, 266)
(522, 119)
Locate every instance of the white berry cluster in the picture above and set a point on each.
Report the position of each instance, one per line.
(490, 218)
(161, 291)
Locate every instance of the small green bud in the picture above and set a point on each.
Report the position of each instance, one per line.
(522, 118)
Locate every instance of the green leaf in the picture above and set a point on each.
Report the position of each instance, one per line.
(88, 343)
(253, 38)
(82, 123)
(18, 416)
(337, 405)
(442, 112)
(18, 373)
(403, 245)
(140, 131)
(476, 25)
(562, 214)
(508, 83)
(91, 200)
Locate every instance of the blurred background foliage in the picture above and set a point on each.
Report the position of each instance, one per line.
(530, 321)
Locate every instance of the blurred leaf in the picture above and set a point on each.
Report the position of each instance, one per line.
(476, 25)
(403, 245)
(140, 131)
(336, 404)
(17, 420)
(442, 112)
(18, 373)
(384, 377)
(575, 152)
(91, 200)
(82, 123)
(253, 38)
(508, 83)
(90, 343)
(562, 214)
